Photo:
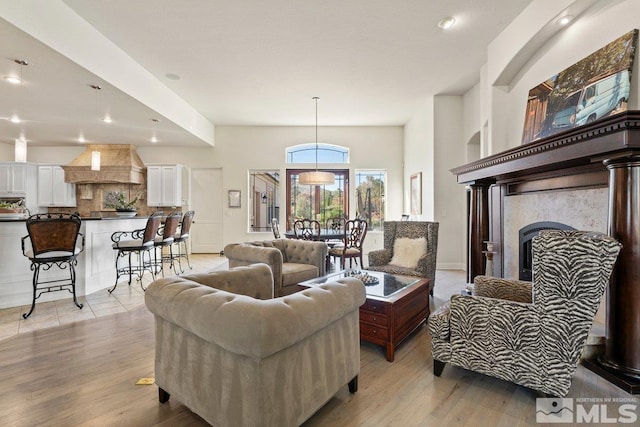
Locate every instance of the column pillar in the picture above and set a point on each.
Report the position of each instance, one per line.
(622, 347)
(478, 227)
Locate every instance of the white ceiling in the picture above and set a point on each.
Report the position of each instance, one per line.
(252, 62)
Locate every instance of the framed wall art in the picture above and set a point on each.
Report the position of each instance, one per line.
(416, 193)
(595, 87)
(234, 198)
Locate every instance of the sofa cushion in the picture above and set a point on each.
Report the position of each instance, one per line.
(407, 252)
(294, 273)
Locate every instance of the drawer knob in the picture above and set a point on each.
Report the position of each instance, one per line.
(375, 331)
(375, 318)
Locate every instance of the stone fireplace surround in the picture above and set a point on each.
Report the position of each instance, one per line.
(590, 175)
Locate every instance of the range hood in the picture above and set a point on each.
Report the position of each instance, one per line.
(119, 163)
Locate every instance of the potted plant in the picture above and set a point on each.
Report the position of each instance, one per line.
(11, 207)
(120, 204)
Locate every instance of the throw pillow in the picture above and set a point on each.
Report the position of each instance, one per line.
(407, 252)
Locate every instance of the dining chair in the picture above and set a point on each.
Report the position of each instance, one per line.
(355, 232)
(275, 227)
(307, 229)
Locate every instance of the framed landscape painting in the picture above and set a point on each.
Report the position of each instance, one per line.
(594, 87)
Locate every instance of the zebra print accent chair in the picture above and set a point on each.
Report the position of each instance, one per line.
(532, 339)
(379, 260)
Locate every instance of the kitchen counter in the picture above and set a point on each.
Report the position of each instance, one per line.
(96, 265)
(84, 218)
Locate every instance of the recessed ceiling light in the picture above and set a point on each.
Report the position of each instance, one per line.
(107, 119)
(565, 19)
(14, 80)
(15, 119)
(81, 138)
(447, 22)
(172, 76)
(154, 139)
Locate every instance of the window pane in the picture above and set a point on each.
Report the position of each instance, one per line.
(327, 153)
(319, 202)
(370, 189)
(265, 201)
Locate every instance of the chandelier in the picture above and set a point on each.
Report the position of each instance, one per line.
(316, 177)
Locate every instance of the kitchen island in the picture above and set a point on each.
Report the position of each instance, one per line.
(96, 265)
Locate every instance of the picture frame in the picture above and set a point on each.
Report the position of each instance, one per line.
(416, 193)
(235, 198)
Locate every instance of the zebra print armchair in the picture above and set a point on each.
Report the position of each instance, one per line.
(529, 338)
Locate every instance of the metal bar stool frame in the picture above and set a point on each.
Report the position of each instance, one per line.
(181, 237)
(53, 241)
(141, 242)
(166, 237)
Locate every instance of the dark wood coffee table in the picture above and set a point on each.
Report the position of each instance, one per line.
(395, 306)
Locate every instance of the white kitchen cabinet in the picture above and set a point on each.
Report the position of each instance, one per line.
(53, 191)
(165, 185)
(13, 179)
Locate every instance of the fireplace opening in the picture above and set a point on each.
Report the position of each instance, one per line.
(525, 235)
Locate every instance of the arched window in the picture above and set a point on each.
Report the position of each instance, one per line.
(327, 153)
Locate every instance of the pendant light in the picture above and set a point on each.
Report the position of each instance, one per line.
(316, 177)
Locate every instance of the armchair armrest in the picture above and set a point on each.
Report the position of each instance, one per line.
(505, 289)
(240, 254)
(379, 257)
(426, 266)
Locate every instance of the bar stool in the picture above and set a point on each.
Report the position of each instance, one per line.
(182, 236)
(54, 239)
(165, 239)
(140, 242)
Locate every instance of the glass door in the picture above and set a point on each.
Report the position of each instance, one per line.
(318, 202)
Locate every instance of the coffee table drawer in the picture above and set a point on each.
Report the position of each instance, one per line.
(375, 306)
(375, 318)
(372, 331)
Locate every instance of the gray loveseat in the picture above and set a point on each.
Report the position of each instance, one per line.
(237, 360)
(292, 261)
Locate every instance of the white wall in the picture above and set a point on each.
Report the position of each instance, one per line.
(418, 157)
(450, 207)
(240, 149)
(7, 152)
(434, 143)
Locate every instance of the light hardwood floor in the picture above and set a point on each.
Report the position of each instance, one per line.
(84, 373)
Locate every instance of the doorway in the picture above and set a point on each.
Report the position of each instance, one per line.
(206, 200)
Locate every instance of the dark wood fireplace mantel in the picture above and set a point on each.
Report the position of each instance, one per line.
(605, 153)
(576, 149)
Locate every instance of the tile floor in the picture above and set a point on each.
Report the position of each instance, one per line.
(101, 303)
